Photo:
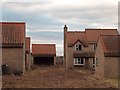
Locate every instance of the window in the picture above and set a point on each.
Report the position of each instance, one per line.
(96, 61)
(79, 61)
(93, 60)
(75, 61)
(94, 46)
(93, 63)
(78, 47)
(82, 61)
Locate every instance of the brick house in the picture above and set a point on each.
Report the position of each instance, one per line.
(27, 53)
(107, 56)
(80, 46)
(13, 45)
(44, 54)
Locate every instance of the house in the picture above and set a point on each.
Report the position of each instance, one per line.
(80, 46)
(13, 45)
(108, 56)
(27, 54)
(44, 54)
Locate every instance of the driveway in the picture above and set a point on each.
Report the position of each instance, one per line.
(55, 77)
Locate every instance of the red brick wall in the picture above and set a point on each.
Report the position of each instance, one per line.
(15, 58)
(99, 69)
(107, 66)
(111, 67)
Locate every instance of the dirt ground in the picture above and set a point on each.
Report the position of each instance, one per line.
(55, 77)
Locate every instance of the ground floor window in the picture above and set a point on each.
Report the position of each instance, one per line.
(93, 63)
(79, 61)
(96, 61)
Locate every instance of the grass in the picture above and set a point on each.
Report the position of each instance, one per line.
(114, 81)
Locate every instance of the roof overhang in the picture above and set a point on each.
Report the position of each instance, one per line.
(72, 44)
(84, 54)
(11, 45)
(112, 54)
(43, 55)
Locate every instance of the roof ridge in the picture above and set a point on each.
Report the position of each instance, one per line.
(43, 44)
(107, 35)
(75, 31)
(100, 29)
(12, 22)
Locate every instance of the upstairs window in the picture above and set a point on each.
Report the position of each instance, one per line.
(94, 46)
(78, 47)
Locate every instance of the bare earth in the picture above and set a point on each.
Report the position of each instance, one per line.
(55, 77)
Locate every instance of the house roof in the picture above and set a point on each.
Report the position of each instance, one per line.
(27, 44)
(87, 36)
(44, 49)
(93, 34)
(13, 34)
(84, 54)
(73, 37)
(111, 45)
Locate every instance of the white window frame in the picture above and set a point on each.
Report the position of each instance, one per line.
(76, 59)
(77, 46)
(94, 46)
(93, 64)
(96, 62)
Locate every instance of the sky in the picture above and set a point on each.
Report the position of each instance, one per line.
(45, 19)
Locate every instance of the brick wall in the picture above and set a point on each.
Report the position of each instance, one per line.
(107, 66)
(70, 58)
(15, 58)
(28, 61)
(111, 67)
(99, 69)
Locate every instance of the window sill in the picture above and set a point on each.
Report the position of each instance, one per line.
(79, 64)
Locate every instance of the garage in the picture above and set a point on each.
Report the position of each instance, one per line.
(44, 60)
(44, 54)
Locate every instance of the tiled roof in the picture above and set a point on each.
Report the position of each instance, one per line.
(13, 34)
(87, 36)
(44, 49)
(84, 54)
(72, 37)
(27, 44)
(111, 45)
(93, 34)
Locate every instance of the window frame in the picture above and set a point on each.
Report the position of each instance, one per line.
(96, 61)
(93, 63)
(79, 60)
(94, 46)
(78, 47)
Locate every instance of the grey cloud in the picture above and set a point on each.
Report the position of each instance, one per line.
(47, 35)
(47, 17)
(26, 0)
(102, 14)
(34, 21)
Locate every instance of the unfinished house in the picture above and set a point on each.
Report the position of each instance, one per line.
(27, 53)
(44, 54)
(108, 56)
(80, 46)
(13, 45)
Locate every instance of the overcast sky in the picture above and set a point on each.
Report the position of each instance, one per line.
(45, 18)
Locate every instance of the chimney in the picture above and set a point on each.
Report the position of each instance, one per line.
(65, 33)
(65, 28)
